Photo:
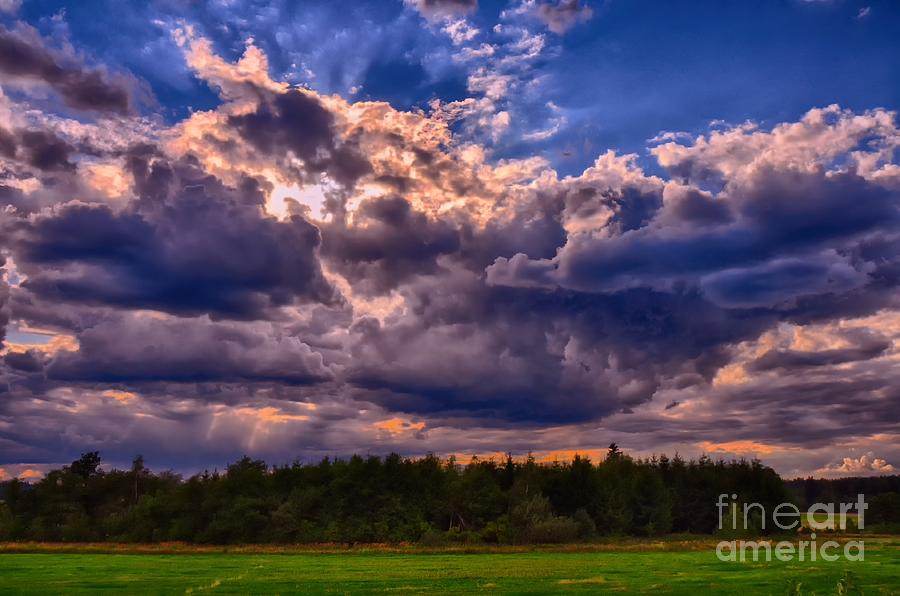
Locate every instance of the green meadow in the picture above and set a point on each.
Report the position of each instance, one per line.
(659, 568)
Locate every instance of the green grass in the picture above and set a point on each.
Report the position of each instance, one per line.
(688, 570)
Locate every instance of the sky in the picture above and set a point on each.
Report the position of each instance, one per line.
(303, 229)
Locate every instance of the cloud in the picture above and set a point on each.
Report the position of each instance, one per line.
(741, 448)
(23, 55)
(187, 245)
(4, 301)
(864, 465)
(777, 231)
(440, 9)
(387, 244)
(781, 281)
(461, 31)
(10, 6)
(37, 148)
(146, 349)
(743, 299)
(562, 15)
(863, 345)
(296, 121)
(820, 139)
(23, 472)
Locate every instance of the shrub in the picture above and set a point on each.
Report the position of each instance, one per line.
(553, 530)
(587, 529)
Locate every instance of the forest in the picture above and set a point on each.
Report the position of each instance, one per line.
(386, 500)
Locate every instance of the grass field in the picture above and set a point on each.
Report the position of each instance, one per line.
(667, 568)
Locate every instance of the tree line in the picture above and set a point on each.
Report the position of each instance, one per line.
(385, 499)
(882, 494)
(841, 490)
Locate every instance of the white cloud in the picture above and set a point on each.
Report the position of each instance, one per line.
(864, 465)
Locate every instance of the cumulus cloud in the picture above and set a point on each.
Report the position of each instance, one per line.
(864, 465)
(296, 122)
(186, 245)
(779, 229)
(387, 243)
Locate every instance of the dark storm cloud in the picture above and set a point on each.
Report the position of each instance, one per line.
(471, 351)
(631, 208)
(7, 143)
(140, 350)
(792, 209)
(297, 122)
(536, 234)
(48, 314)
(538, 231)
(779, 281)
(780, 216)
(481, 294)
(387, 243)
(23, 54)
(809, 410)
(45, 151)
(39, 149)
(190, 245)
(692, 206)
(683, 277)
(539, 352)
(27, 362)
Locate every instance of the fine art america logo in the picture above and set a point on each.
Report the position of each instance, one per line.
(752, 517)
